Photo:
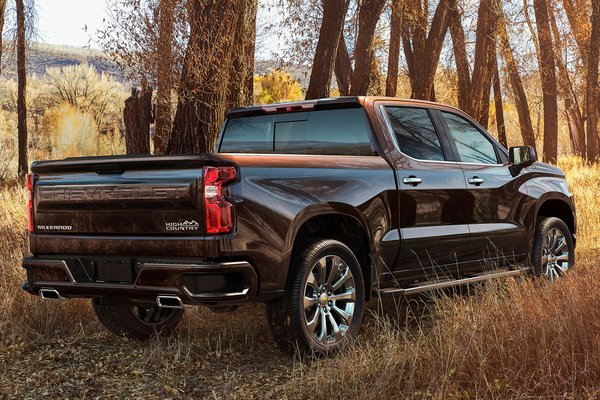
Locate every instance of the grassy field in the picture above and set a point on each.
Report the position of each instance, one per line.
(516, 338)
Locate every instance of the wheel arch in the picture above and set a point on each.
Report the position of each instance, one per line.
(340, 222)
(556, 206)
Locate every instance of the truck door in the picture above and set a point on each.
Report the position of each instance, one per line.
(434, 204)
(497, 232)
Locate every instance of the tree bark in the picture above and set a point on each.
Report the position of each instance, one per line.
(474, 89)
(577, 14)
(137, 116)
(369, 13)
(165, 75)
(239, 92)
(2, 19)
(575, 119)
(460, 56)
(546, 66)
(498, 106)
(592, 84)
(487, 22)
(21, 90)
(422, 51)
(204, 79)
(391, 82)
(517, 87)
(343, 68)
(332, 25)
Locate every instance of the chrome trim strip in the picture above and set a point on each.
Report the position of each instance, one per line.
(451, 283)
(388, 125)
(216, 295)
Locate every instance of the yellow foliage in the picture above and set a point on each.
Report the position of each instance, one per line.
(74, 133)
(275, 87)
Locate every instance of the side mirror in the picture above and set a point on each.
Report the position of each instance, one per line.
(522, 156)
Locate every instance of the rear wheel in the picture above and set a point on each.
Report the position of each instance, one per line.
(324, 300)
(553, 249)
(137, 321)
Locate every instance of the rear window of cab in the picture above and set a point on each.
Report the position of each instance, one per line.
(325, 132)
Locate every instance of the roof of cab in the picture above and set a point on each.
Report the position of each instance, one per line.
(323, 104)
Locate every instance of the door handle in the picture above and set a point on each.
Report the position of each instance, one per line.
(475, 181)
(412, 180)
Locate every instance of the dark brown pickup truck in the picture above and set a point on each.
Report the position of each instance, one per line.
(311, 207)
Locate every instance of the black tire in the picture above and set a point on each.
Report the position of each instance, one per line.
(289, 316)
(552, 255)
(137, 321)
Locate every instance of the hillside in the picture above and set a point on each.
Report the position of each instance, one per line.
(43, 56)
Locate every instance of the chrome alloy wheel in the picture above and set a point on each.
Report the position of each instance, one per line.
(329, 300)
(555, 255)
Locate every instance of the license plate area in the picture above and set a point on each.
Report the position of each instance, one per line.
(114, 269)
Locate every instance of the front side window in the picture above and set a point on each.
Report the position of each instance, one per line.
(472, 145)
(415, 133)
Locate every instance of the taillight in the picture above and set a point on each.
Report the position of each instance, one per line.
(219, 211)
(29, 183)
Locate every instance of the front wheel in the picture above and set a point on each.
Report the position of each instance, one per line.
(324, 300)
(553, 249)
(137, 321)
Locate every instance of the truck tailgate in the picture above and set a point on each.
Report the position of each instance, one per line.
(126, 195)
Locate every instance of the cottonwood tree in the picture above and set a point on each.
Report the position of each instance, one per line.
(21, 89)
(516, 83)
(474, 88)
(368, 16)
(592, 83)
(165, 74)
(332, 26)
(572, 110)
(422, 49)
(546, 66)
(206, 79)
(147, 40)
(391, 82)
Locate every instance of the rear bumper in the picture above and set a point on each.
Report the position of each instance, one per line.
(193, 281)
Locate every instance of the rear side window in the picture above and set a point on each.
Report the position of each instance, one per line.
(249, 135)
(472, 145)
(326, 132)
(415, 133)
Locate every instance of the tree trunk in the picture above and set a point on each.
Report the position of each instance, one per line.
(137, 116)
(498, 106)
(164, 74)
(21, 90)
(592, 84)
(460, 56)
(517, 87)
(332, 25)
(343, 68)
(391, 82)
(474, 90)
(487, 22)
(243, 63)
(546, 65)
(577, 14)
(205, 76)
(422, 51)
(369, 13)
(575, 119)
(2, 19)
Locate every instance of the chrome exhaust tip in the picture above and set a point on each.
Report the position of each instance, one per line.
(50, 294)
(169, 301)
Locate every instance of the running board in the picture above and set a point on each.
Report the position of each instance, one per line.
(433, 285)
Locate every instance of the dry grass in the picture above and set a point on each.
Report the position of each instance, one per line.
(506, 339)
